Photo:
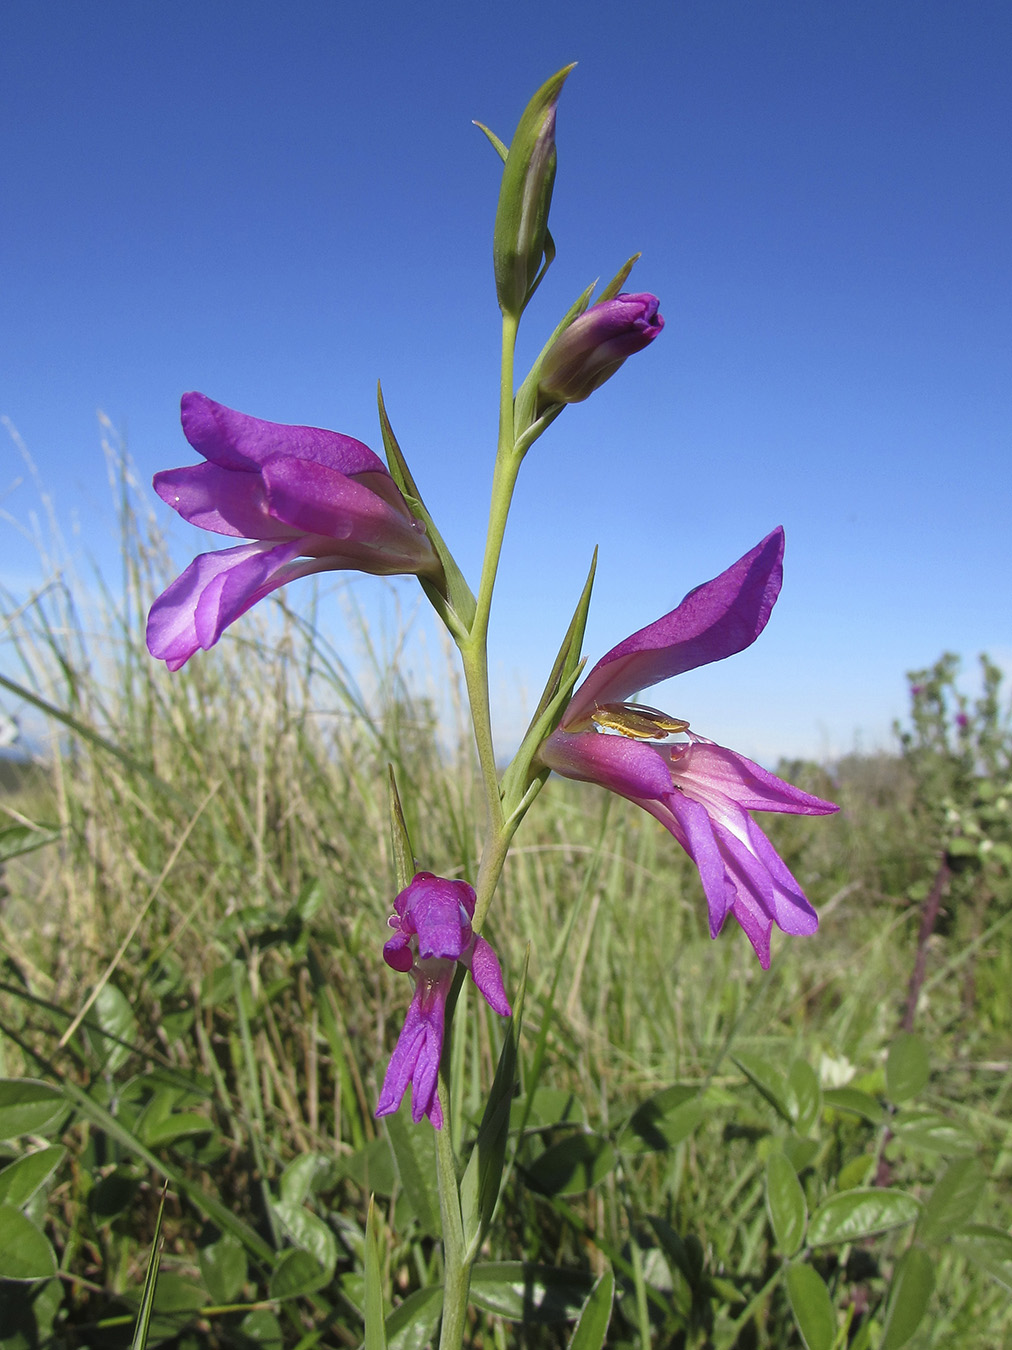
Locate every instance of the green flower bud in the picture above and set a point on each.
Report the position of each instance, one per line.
(521, 219)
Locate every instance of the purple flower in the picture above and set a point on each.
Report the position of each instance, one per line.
(594, 345)
(432, 933)
(698, 790)
(311, 500)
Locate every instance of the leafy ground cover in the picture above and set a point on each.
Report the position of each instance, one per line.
(195, 1017)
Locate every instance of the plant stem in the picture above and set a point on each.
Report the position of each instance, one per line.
(456, 1269)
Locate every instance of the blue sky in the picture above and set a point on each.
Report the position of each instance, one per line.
(280, 204)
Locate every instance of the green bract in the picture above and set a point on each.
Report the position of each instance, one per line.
(521, 218)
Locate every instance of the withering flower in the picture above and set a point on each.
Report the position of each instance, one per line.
(432, 932)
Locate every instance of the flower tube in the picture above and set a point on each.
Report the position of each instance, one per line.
(699, 791)
(432, 932)
(310, 500)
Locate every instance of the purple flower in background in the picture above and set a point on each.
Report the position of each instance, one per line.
(432, 933)
(698, 790)
(594, 345)
(311, 501)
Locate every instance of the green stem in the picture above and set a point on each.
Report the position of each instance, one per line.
(456, 1267)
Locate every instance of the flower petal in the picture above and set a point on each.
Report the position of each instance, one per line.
(487, 975)
(416, 1055)
(717, 619)
(214, 590)
(631, 768)
(226, 501)
(751, 786)
(237, 441)
(690, 824)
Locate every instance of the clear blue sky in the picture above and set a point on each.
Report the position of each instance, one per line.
(279, 204)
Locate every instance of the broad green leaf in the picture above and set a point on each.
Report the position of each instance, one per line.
(910, 1291)
(114, 1015)
(574, 1164)
(860, 1213)
(799, 1152)
(812, 1307)
(414, 1152)
(550, 1106)
(411, 1324)
(950, 1204)
(806, 1096)
(770, 1081)
(908, 1067)
(305, 1175)
(372, 1166)
(375, 1331)
(297, 1273)
(25, 1251)
(663, 1120)
(856, 1172)
(308, 1232)
(263, 1328)
(592, 1327)
(223, 1268)
(932, 1133)
(854, 1100)
(16, 840)
(989, 1248)
(29, 1106)
(529, 1293)
(21, 1179)
(785, 1200)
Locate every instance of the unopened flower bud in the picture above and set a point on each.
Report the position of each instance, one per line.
(593, 347)
(521, 219)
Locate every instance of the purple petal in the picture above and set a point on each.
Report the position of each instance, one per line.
(732, 775)
(226, 501)
(690, 824)
(439, 912)
(415, 1059)
(213, 591)
(397, 952)
(717, 619)
(622, 765)
(487, 975)
(321, 501)
(237, 441)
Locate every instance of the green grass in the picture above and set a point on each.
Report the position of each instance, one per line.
(195, 958)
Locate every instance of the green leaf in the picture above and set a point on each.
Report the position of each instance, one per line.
(305, 1175)
(375, 1331)
(856, 1172)
(989, 1248)
(143, 1324)
(308, 1232)
(115, 1017)
(21, 1179)
(908, 1067)
(25, 1251)
(17, 840)
(400, 840)
(483, 1175)
(414, 1153)
(932, 1133)
(574, 1164)
(371, 1167)
(663, 1120)
(411, 1324)
(549, 1107)
(592, 1327)
(29, 1106)
(297, 1273)
(620, 278)
(770, 1081)
(910, 1291)
(785, 1201)
(812, 1307)
(223, 1268)
(860, 1213)
(529, 1293)
(263, 1328)
(806, 1094)
(854, 1100)
(951, 1203)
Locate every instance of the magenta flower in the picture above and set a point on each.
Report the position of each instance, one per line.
(311, 501)
(698, 790)
(594, 345)
(432, 927)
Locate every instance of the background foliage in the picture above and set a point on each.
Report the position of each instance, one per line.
(196, 882)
